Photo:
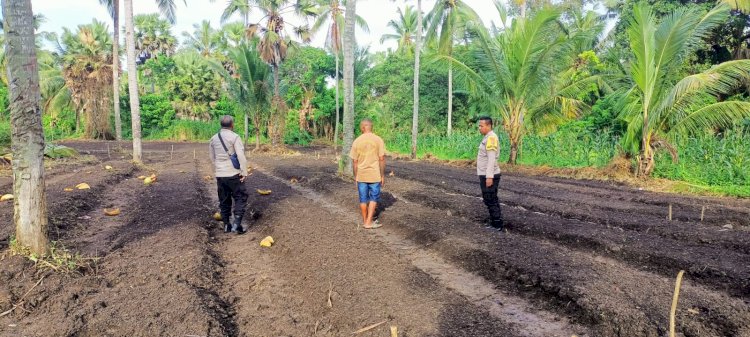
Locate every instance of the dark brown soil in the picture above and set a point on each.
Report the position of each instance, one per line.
(612, 271)
(580, 258)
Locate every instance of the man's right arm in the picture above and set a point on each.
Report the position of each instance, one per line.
(211, 152)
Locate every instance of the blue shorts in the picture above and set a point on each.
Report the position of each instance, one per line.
(368, 192)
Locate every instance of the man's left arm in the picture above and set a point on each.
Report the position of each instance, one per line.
(492, 147)
(239, 149)
(381, 157)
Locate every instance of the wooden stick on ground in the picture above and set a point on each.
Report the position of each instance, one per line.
(674, 303)
(703, 212)
(368, 328)
(394, 331)
(20, 301)
(330, 292)
(670, 212)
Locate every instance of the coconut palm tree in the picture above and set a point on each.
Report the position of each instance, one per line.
(248, 84)
(273, 44)
(87, 69)
(166, 7)
(405, 27)
(447, 22)
(417, 52)
(345, 164)
(520, 74)
(331, 14)
(656, 107)
(114, 10)
(27, 136)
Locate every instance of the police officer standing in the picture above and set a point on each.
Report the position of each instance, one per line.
(489, 172)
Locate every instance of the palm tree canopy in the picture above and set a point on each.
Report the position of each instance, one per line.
(153, 36)
(655, 105)
(204, 39)
(447, 21)
(405, 28)
(331, 14)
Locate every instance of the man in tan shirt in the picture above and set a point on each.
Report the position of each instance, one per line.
(368, 156)
(489, 172)
(230, 179)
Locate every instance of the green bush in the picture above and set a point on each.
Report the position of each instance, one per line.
(292, 133)
(157, 113)
(4, 134)
(182, 130)
(4, 103)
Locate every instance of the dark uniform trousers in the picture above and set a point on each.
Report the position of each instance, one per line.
(489, 194)
(231, 188)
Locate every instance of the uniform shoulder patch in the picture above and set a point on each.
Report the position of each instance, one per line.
(493, 143)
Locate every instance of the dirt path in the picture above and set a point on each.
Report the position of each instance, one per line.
(580, 258)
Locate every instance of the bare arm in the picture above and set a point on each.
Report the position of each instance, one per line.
(382, 171)
(354, 167)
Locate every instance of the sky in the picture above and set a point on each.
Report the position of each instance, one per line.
(377, 13)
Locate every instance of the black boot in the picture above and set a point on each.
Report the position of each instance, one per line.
(237, 225)
(227, 227)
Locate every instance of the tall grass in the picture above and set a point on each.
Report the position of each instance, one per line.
(706, 162)
(183, 130)
(561, 149)
(710, 161)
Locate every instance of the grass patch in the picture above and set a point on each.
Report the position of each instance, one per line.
(58, 259)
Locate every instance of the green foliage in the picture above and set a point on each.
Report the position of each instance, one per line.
(225, 106)
(386, 90)
(4, 102)
(59, 151)
(193, 86)
(156, 113)
(4, 134)
(183, 130)
(710, 160)
(293, 135)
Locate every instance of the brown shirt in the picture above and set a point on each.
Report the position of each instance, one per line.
(487, 155)
(367, 150)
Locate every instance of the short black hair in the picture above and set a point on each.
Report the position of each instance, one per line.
(227, 121)
(486, 119)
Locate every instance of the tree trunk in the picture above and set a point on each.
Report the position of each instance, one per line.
(336, 123)
(247, 118)
(450, 98)
(247, 127)
(27, 135)
(514, 128)
(348, 85)
(116, 69)
(135, 108)
(646, 158)
(256, 125)
(417, 50)
(513, 158)
(276, 127)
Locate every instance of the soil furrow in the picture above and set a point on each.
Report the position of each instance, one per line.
(605, 294)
